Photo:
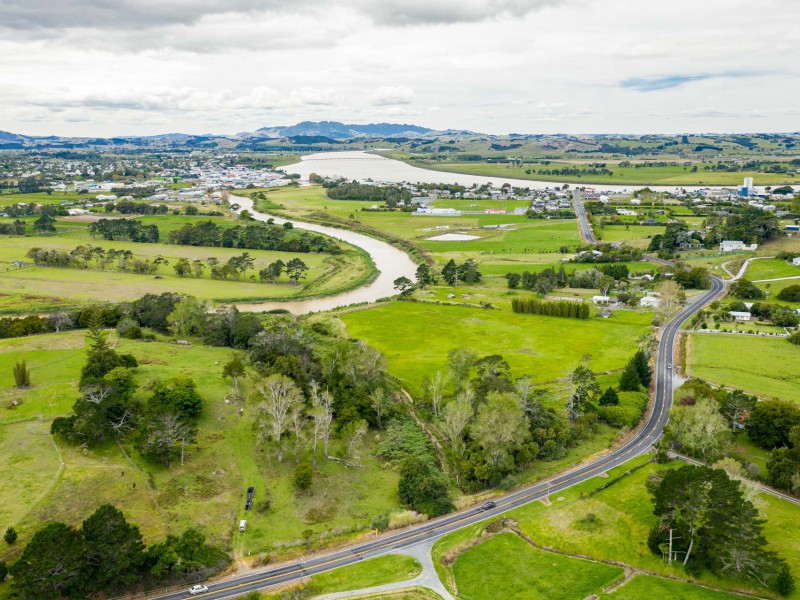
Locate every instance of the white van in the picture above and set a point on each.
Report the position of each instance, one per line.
(243, 525)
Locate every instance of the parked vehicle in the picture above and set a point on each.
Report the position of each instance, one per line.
(243, 525)
(251, 491)
(198, 589)
(248, 504)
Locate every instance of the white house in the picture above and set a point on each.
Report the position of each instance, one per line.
(650, 302)
(740, 315)
(635, 201)
(796, 261)
(626, 213)
(73, 212)
(603, 199)
(733, 245)
(604, 300)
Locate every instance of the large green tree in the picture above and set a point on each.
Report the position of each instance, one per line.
(114, 550)
(51, 565)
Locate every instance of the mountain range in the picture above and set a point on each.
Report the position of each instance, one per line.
(306, 133)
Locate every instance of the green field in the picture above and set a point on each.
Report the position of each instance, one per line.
(668, 175)
(57, 287)
(544, 347)
(762, 366)
(771, 269)
(369, 573)
(618, 531)
(505, 566)
(207, 492)
(647, 586)
(524, 237)
(637, 236)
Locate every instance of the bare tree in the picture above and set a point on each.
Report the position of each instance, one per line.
(322, 414)
(298, 419)
(279, 395)
(669, 294)
(60, 320)
(456, 416)
(353, 436)
(436, 390)
(381, 401)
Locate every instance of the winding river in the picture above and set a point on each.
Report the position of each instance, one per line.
(391, 263)
(366, 165)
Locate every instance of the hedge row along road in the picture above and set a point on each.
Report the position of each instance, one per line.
(390, 262)
(648, 434)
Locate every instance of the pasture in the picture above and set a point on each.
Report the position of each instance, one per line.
(484, 572)
(544, 347)
(207, 492)
(770, 372)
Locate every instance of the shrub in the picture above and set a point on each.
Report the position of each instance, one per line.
(551, 308)
(303, 477)
(22, 375)
(790, 294)
(10, 536)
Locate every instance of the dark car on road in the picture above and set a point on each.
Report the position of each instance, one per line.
(488, 505)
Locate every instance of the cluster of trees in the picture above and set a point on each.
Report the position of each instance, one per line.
(625, 405)
(675, 235)
(695, 278)
(106, 555)
(390, 195)
(751, 225)
(87, 256)
(706, 521)
(467, 272)
(608, 254)
(128, 207)
(790, 294)
(551, 308)
(17, 227)
(124, 229)
(542, 282)
(745, 290)
(496, 426)
(780, 315)
(108, 410)
(254, 236)
(574, 171)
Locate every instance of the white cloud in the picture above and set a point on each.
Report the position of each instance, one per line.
(392, 96)
(104, 67)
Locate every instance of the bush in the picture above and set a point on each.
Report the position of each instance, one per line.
(627, 413)
(790, 294)
(129, 328)
(303, 477)
(10, 536)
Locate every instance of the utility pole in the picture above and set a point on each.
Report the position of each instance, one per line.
(669, 556)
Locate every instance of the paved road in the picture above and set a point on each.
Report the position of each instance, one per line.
(649, 434)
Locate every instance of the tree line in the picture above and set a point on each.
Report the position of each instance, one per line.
(87, 257)
(254, 236)
(551, 308)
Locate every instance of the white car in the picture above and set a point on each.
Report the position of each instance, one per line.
(198, 589)
(669, 366)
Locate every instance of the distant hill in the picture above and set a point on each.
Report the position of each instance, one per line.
(343, 131)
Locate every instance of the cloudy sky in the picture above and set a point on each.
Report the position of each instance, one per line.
(121, 67)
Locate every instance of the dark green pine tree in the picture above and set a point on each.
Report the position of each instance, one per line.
(643, 367)
(450, 272)
(609, 397)
(114, 550)
(629, 380)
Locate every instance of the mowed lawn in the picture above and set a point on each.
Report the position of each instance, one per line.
(415, 338)
(770, 269)
(762, 366)
(507, 567)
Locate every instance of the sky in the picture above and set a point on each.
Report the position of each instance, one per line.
(144, 67)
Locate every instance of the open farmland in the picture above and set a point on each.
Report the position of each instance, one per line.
(770, 372)
(544, 347)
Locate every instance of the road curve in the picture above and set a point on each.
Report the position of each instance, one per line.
(649, 433)
(390, 262)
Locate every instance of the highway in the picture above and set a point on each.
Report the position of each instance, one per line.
(646, 436)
